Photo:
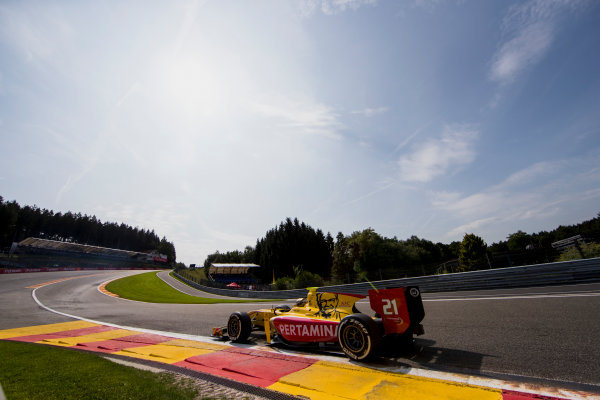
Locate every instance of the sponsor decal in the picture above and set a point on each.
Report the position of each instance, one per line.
(301, 330)
(307, 330)
(328, 304)
(390, 305)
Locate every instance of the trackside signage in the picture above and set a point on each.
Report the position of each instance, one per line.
(306, 330)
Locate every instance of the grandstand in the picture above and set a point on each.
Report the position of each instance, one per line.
(229, 273)
(56, 253)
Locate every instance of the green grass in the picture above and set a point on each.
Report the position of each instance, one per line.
(196, 274)
(31, 371)
(590, 250)
(150, 288)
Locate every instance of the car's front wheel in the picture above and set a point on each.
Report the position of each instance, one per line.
(239, 326)
(359, 336)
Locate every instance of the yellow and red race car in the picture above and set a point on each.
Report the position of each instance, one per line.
(326, 317)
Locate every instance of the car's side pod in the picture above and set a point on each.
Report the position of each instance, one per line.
(401, 309)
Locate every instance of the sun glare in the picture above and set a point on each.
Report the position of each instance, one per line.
(193, 86)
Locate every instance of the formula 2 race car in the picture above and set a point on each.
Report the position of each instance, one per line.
(324, 318)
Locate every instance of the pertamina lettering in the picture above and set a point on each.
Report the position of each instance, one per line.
(307, 330)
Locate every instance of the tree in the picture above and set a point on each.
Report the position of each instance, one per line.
(518, 241)
(472, 253)
(248, 256)
(292, 244)
(342, 265)
(166, 247)
(367, 255)
(330, 243)
(364, 251)
(18, 223)
(306, 279)
(8, 222)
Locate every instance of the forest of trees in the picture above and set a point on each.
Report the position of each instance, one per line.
(290, 245)
(368, 255)
(19, 222)
(294, 250)
(295, 254)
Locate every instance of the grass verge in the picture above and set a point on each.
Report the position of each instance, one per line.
(150, 288)
(31, 371)
(196, 274)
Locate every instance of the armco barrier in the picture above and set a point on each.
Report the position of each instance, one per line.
(567, 272)
(250, 294)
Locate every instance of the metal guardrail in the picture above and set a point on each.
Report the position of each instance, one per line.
(248, 294)
(560, 273)
(567, 272)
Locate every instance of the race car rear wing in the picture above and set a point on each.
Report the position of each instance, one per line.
(401, 309)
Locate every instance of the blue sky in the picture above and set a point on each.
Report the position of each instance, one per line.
(212, 121)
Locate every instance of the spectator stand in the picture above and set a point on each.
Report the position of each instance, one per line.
(229, 273)
(44, 253)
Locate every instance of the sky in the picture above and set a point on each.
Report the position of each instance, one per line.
(210, 122)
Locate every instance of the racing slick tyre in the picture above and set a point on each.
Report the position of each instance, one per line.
(359, 336)
(239, 327)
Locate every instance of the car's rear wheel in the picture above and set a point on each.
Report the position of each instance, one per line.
(239, 326)
(359, 336)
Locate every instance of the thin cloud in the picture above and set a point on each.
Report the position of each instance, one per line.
(332, 7)
(537, 192)
(36, 41)
(472, 226)
(367, 195)
(135, 87)
(302, 116)
(21, 34)
(530, 29)
(436, 157)
(371, 112)
(410, 137)
(163, 213)
(532, 173)
(189, 20)
(519, 53)
(515, 192)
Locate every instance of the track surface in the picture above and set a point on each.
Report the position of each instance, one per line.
(541, 333)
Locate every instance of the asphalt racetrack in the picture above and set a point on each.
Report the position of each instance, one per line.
(530, 334)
